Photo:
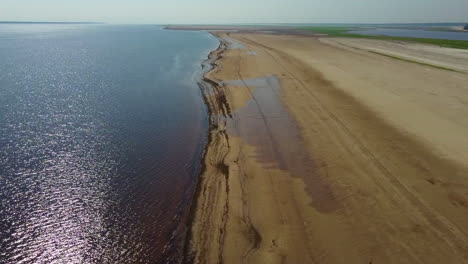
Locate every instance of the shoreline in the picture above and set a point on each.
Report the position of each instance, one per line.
(352, 160)
(205, 84)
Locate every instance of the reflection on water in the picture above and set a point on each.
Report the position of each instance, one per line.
(102, 130)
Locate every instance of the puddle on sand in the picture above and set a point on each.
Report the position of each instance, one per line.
(233, 43)
(265, 123)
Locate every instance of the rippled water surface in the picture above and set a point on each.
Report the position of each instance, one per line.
(102, 128)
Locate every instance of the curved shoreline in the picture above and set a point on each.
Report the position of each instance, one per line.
(207, 85)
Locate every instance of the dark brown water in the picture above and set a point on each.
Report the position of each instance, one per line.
(102, 129)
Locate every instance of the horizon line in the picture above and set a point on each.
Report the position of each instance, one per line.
(246, 23)
(49, 22)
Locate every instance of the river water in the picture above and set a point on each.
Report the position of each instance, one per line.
(102, 129)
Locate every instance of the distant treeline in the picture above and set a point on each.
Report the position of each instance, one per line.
(34, 22)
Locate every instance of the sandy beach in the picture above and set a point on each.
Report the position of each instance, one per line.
(329, 150)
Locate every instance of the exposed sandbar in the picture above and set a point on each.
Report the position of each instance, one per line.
(330, 152)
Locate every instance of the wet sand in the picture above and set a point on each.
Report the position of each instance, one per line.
(323, 151)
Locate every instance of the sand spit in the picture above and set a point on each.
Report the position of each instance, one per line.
(356, 158)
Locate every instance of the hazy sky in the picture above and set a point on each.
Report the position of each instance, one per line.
(236, 11)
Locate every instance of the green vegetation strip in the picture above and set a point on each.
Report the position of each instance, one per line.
(344, 32)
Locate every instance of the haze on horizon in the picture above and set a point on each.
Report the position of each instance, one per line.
(240, 11)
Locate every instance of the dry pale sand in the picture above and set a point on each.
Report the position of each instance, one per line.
(326, 152)
(449, 58)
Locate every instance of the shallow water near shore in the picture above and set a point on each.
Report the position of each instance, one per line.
(102, 129)
(265, 122)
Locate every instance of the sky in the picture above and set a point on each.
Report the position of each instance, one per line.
(236, 11)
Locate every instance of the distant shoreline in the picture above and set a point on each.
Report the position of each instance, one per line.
(35, 22)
